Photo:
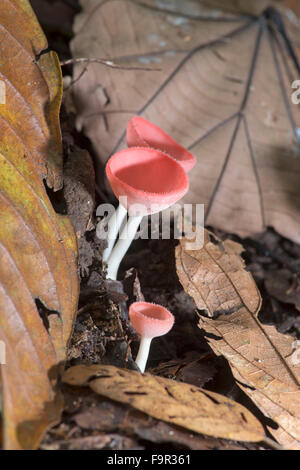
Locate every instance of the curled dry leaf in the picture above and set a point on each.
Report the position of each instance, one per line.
(261, 359)
(37, 247)
(174, 402)
(224, 92)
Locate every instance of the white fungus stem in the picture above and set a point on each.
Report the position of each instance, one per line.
(114, 225)
(142, 357)
(122, 245)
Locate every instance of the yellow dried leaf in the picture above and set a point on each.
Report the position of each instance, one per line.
(178, 403)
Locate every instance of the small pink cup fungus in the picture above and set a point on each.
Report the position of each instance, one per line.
(143, 133)
(150, 320)
(148, 181)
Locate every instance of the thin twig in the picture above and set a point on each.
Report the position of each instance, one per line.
(108, 63)
(77, 78)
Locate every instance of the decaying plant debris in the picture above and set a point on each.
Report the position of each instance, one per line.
(236, 301)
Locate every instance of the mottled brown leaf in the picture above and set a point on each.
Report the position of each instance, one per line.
(37, 247)
(261, 359)
(174, 402)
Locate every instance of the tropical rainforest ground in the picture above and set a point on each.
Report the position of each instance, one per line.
(102, 333)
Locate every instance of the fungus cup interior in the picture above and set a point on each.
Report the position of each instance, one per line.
(141, 132)
(146, 176)
(150, 320)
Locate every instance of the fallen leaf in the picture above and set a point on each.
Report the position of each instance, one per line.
(174, 402)
(224, 92)
(261, 359)
(100, 414)
(38, 278)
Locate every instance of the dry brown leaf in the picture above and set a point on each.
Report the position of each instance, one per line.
(224, 92)
(90, 411)
(37, 247)
(174, 402)
(261, 359)
(114, 417)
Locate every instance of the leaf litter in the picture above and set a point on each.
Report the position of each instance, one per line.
(179, 403)
(261, 358)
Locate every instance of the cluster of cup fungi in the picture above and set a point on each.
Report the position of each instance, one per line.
(150, 176)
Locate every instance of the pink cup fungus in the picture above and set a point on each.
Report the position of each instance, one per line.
(151, 321)
(146, 177)
(143, 133)
(148, 181)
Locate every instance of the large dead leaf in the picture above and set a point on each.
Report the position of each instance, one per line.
(174, 402)
(37, 247)
(224, 92)
(261, 359)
